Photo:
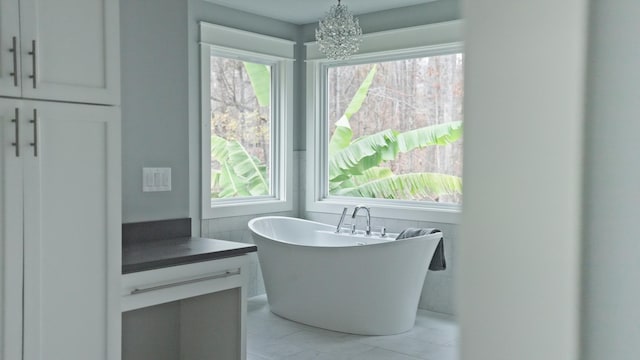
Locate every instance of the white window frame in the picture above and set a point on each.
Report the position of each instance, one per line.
(420, 41)
(279, 54)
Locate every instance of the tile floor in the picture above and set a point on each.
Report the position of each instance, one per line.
(270, 337)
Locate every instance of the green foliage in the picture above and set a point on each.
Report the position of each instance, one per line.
(403, 186)
(240, 173)
(260, 77)
(342, 135)
(350, 169)
(362, 154)
(371, 150)
(440, 134)
(356, 167)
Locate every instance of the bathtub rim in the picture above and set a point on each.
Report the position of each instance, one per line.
(388, 242)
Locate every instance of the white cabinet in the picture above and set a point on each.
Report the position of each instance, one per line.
(60, 223)
(60, 50)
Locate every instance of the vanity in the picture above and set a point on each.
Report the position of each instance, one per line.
(183, 297)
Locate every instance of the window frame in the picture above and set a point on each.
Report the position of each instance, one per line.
(278, 53)
(429, 40)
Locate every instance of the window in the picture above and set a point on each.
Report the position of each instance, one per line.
(246, 110)
(241, 129)
(388, 130)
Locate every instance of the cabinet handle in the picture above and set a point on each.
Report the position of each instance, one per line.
(16, 120)
(35, 133)
(185, 282)
(34, 62)
(14, 50)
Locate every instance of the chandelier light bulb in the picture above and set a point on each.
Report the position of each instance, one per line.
(339, 34)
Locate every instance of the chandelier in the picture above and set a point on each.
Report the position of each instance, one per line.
(339, 34)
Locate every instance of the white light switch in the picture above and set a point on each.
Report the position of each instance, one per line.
(156, 179)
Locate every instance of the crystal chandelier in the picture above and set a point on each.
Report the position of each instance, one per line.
(339, 34)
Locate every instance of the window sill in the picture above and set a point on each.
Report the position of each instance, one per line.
(246, 208)
(448, 214)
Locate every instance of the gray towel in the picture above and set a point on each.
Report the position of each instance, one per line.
(437, 261)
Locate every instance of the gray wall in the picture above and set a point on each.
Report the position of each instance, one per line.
(154, 106)
(611, 265)
(519, 252)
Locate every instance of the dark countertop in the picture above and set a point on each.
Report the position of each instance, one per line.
(157, 254)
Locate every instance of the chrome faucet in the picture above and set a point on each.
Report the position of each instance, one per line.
(367, 230)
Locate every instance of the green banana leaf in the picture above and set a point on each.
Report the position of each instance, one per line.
(356, 180)
(249, 168)
(371, 150)
(342, 135)
(241, 174)
(260, 76)
(219, 150)
(231, 184)
(440, 134)
(341, 138)
(416, 185)
(361, 94)
(364, 153)
(372, 174)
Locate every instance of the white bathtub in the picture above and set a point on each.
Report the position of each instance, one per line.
(353, 284)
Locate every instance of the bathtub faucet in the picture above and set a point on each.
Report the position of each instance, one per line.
(367, 230)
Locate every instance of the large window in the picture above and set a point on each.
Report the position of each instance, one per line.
(246, 112)
(241, 129)
(395, 129)
(387, 129)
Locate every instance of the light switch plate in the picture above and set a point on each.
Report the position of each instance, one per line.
(156, 179)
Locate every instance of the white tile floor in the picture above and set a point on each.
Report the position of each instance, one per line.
(270, 337)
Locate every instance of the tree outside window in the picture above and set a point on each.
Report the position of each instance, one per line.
(396, 129)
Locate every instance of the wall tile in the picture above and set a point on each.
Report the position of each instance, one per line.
(236, 235)
(394, 225)
(247, 237)
(213, 226)
(437, 293)
(252, 287)
(323, 218)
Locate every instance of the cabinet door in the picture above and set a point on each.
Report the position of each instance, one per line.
(11, 235)
(10, 48)
(72, 230)
(76, 45)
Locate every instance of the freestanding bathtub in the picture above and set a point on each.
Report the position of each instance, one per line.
(350, 283)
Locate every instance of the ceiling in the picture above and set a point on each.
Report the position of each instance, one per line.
(309, 11)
